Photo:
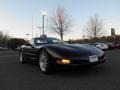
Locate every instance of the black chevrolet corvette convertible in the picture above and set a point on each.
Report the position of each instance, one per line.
(48, 52)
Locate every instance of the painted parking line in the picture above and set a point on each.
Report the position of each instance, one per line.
(8, 55)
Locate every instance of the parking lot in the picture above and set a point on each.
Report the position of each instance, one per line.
(16, 76)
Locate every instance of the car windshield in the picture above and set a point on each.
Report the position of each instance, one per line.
(40, 41)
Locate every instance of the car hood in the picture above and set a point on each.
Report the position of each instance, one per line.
(73, 51)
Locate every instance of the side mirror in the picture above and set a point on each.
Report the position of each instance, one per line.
(28, 44)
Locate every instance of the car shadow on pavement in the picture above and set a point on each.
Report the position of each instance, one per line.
(81, 70)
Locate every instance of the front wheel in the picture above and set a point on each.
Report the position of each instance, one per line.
(21, 58)
(44, 62)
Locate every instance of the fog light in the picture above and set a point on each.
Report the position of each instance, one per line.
(63, 61)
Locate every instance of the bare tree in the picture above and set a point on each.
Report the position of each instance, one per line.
(94, 27)
(3, 39)
(60, 22)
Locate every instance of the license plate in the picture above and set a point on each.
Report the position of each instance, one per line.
(93, 58)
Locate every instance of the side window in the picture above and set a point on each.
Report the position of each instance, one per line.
(32, 42)
(39, 42)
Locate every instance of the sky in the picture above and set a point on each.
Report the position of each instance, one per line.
(18, 16)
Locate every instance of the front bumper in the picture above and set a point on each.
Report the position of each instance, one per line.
(86, 61)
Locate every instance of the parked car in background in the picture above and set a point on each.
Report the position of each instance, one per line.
(111, 45)
(100, 45)
(3, 48)
(116, 44)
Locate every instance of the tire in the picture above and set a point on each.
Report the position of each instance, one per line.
(45, 63)
(21, 58)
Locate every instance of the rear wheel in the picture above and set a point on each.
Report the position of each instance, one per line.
(45, 63)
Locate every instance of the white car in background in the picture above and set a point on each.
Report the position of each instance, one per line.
(100, 45)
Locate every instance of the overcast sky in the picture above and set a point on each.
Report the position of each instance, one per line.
(16, 15)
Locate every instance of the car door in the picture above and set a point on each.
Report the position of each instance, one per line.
(30, 51)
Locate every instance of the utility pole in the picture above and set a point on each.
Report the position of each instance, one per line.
(44, 14)
(27, 35)
(32, 26)
(39, 29)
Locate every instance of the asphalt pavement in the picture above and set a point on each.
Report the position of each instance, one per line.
(16, 76)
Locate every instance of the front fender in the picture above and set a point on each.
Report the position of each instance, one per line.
(52, 52)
